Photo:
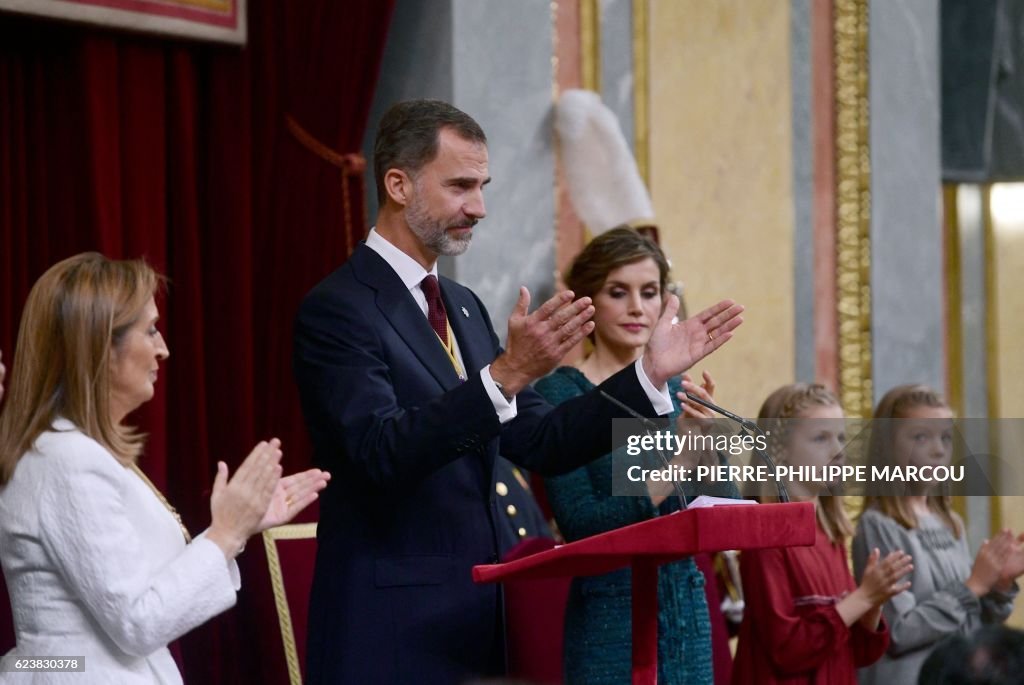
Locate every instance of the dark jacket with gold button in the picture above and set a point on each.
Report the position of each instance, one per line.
(519, 515)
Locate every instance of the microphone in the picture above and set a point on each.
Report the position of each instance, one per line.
(684, 501)
(747, 425)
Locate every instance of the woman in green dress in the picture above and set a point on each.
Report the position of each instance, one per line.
(626, 275)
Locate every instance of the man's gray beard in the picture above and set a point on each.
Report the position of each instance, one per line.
(444, 244)
(432, 233)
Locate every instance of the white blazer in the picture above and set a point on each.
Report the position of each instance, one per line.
(96, 566)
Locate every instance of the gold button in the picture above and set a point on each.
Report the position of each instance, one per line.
(501, 488)
(522, 532)
(511, 509)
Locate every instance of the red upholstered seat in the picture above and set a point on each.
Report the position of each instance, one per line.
(291, 554)
(534, 619)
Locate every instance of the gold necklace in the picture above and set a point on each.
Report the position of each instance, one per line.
(163, 500)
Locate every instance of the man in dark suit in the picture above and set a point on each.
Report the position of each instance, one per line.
(407, 395)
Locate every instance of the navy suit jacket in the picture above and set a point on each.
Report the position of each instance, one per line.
(411, 505)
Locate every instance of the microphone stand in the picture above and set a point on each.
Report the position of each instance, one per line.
(746, 427)
(684, 501)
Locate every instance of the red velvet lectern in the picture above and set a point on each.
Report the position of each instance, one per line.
(646, 545)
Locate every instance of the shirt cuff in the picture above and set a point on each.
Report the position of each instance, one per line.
(505, 410)
(660, 399)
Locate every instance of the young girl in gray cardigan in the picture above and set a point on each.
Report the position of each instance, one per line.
(949, 593)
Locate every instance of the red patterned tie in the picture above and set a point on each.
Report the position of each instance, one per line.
(436, 313)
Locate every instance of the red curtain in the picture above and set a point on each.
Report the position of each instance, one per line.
(178, 151)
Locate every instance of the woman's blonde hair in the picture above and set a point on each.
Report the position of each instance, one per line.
(897, 404)
(77, 313)
(790, 402)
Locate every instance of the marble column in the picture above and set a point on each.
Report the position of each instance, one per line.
(906, 231)
(493, 60)
(800, 60)
(616, 46)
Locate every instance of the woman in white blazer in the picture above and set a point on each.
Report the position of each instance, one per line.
(97, 563)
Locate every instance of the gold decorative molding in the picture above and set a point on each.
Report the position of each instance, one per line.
(991, 303)
(641, 88)
(293, 531)
(853, 206)
(590, 44)
(953, 268)
(992, 408)
(954, 299)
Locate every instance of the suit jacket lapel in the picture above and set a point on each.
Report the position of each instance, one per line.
(473, 334)
(397, 305)
(468, 326)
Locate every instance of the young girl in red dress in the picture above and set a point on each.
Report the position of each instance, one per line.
(806, 619)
